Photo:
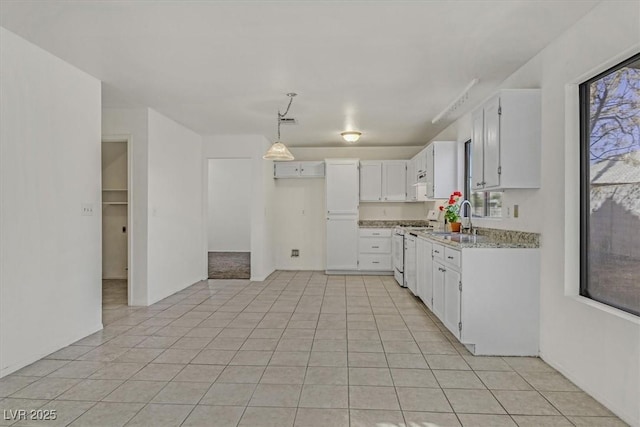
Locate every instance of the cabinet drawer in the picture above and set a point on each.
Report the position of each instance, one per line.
(372, 262)
(452, 256)
(376, 245)
(375, 232)
(438, 251)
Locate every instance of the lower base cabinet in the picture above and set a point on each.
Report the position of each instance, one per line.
(374, 250)
(487, 297)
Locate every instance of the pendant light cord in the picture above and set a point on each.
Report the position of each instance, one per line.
(282, 116)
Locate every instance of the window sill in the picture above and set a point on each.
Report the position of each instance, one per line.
(607, 309)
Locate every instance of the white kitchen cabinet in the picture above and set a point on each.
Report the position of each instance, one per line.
(342, 243)
(452, 287)
(411, 182)
(506, 141)
(394, 179)
(424, 271)
(370, 181)
(342, 187)
(342, 201)
(487, 297)
(374, 250)
(441, 170)
(438, 288)
(383, 180)
(420, 162)
(298, 169)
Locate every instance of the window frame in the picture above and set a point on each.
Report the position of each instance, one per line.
(584, 105)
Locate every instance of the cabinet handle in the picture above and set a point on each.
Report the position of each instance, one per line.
(449, 257)
(375, 262)
(441, 269)
(436, 252)
(478, 184)
(376, 234)
(375, 247)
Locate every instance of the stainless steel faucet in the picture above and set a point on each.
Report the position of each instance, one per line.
(469, 226)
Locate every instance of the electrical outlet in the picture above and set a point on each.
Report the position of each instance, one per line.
(295, 253)
(516, 211)
(86, 209)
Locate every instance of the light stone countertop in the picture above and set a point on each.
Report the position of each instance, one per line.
(486, 238)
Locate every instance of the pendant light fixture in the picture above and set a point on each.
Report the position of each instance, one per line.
(279, 151)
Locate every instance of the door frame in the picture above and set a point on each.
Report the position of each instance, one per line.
(125, 138)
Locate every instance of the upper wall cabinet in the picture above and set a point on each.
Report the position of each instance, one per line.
(441, 169)
(506, 141)
(298, 169)
(383, 180)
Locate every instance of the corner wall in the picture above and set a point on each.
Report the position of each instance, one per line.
(50, 255)
(176, 226)
(595, 346)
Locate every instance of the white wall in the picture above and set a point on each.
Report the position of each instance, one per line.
(132, 124)
(50, 255)
(114, 217)
(176, 225)
(596, 347)
(229, 204)
(262, 195)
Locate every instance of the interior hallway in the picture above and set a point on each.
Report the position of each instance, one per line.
(300, 348)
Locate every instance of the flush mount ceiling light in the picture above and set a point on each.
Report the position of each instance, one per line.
(456, 103)
(351, 136)
(279, 151)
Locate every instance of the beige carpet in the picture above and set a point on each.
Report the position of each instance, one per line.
(229, 265)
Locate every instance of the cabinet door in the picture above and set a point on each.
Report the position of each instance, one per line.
(312, 169)
(342, 187)
(492, 143)
(430, 181)
(411, 193)
(342, 243)
(410, 263)
(287, 169)
(370, 181)
(477, 150)
(394, 180)
(451, 317)
(438, 289)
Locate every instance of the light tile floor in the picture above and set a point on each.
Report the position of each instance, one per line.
(302, 349)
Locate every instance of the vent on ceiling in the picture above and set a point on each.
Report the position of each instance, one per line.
(288, 121)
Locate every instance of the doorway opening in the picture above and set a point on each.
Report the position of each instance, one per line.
(229, 219)
(115, 229)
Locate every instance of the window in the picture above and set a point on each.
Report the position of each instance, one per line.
(610, 187)
(485, 203)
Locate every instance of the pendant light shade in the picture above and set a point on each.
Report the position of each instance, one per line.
(278, 151)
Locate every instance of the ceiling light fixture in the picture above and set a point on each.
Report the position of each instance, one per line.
(279, 151)
(457, 103)
(351, 136)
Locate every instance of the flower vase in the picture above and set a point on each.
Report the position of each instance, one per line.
(455, 227)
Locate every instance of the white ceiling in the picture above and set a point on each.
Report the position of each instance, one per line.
(384, 68)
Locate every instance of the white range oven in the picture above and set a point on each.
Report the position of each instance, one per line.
(398, 255)
(401, 241)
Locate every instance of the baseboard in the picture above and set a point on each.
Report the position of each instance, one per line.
(34, 358)
(632, 419)
(359, 273)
